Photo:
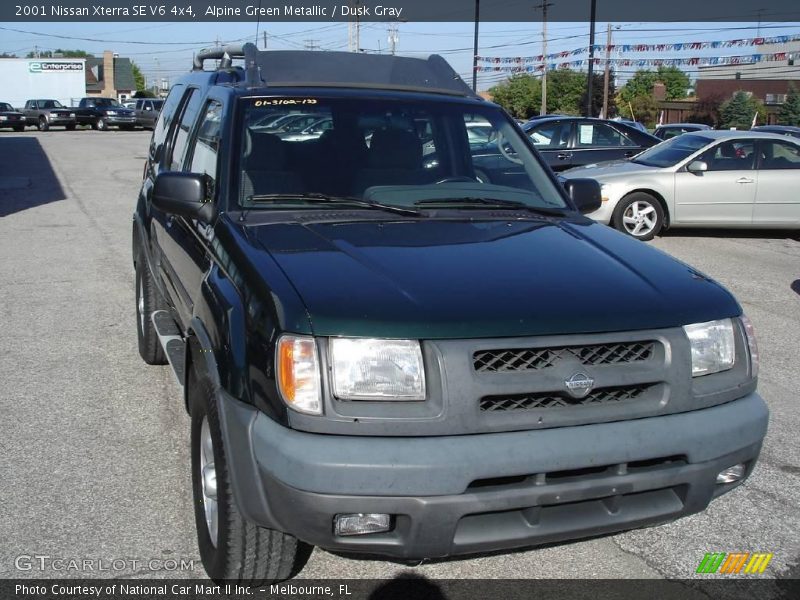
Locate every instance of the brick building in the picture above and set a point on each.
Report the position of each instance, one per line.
(110, 77)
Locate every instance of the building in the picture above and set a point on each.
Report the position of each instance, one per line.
(110, 77)
(22, 79)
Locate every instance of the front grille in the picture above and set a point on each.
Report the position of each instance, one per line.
(527, 359)
(558, 399)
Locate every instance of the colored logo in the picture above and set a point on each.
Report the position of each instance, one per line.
(734, 562)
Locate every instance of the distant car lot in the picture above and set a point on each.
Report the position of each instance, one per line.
(67, 276)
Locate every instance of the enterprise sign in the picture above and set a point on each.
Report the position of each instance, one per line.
(45, 66)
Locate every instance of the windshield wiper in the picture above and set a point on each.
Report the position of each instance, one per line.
(324, 198)
(472, 201)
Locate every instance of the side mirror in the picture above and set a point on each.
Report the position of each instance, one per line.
(697, 166)
(585, 193)
(182, 194)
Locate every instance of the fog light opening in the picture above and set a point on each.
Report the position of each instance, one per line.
(731, 474)
(361, 523)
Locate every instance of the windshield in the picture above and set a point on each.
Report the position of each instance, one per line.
(105, 102)
(52, 104)
(673, 151)
(5, 107)
(394, 152)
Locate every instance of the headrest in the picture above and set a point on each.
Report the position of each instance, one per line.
(264, 151)
(395, 149)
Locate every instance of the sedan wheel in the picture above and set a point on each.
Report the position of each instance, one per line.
(639, 215)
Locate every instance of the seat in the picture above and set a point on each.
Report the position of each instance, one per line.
(265, 167)
(394, 158)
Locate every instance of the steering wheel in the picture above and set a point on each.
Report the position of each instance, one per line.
(506, 154)
(457, 179)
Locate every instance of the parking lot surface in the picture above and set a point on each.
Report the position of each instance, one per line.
(94, 450)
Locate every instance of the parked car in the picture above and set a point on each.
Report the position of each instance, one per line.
(102, 113)
(780, 129)
(630, 123)
(567, 142)
(129, 104)
(312, 132)
(665, 132)
(282, 123)
(45, 113)
(11, 118)
(384, 358)
(147, 111)
(704, 179)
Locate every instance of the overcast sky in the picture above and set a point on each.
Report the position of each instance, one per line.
(165, 49)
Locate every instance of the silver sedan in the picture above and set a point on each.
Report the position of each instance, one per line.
(703, 179)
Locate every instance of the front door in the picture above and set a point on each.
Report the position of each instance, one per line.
(723, 195)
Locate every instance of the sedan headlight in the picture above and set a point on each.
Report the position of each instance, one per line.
(377, 369)
(111, 113)
(712, 344)
(298, 373)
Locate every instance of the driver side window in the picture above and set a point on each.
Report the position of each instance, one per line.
(731, 155)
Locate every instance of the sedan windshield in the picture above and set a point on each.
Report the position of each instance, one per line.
(389, 152)
(673, 151)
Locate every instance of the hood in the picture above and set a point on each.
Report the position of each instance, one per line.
(607, 169)
(10, 113)
(465, 279)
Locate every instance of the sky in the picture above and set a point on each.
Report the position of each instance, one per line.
(164, 50)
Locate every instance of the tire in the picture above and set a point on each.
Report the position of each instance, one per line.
(100, 125)
(43, 125)
(70, 127)
(639, 215)
(148, 300)
(239, 550)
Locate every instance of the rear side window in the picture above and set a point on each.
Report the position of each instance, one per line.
(600, 135)
(779, 155)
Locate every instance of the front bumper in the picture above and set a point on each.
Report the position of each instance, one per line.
(120, 120)
(475, 493)
(53, 120)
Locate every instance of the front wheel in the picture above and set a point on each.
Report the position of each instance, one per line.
(640, 215)
(43, 125)
(101, 125)
(231, 548)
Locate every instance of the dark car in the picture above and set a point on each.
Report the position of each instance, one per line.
(147, 110)
(665, 132)
(385, 357)
(567, 142)
(11, 118)
(780, 129)
(102, 113)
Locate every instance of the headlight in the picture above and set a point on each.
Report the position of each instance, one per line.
(111, 113)
(3, 118)
(712, 346)
(377, 369)
(752, 346)
(298, 373)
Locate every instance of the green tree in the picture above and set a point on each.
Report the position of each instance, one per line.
(675, 80)
(564, 90)
(598, 81)
(521, 95)
(789, 113)
(144, 94)
(706, 110)
(8, 55)
(641, 84)
(138, 77)
(60, 53)
(738, 111)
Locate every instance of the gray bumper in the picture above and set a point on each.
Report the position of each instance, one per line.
(117, 120)
(473, 493)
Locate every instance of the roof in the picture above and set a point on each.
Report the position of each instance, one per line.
(721, 134)
(701, 126)
(123, 74)
(304, 68)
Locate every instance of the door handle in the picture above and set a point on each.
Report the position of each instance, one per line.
(744, 180)
(564, 155)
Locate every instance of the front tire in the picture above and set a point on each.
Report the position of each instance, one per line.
(100, 125)
(43, 125)
(148, 300)
(640, 215)
(231, 548)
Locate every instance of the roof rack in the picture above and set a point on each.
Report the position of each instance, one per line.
(298, 68)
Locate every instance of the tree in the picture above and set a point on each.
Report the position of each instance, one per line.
(138, 77)
(675, 81)
(597, 94)
(789, 113)
(144, 94)
(706, 110)
(641, 84)
(60, 54)
(521, 95)
(8, 55)
(738, 111)
(564, 90)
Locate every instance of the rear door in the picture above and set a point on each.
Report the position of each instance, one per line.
(723, 195)
(598, 142)
(777, 198)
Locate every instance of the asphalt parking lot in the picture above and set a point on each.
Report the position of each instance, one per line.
(94, 449)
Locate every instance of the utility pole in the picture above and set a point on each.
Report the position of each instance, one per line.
(312, 45)
(543, 6)
(354, 27)
(592, 19)
(394, 37)
(265, 40)
(606, 77)
(475, 47)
